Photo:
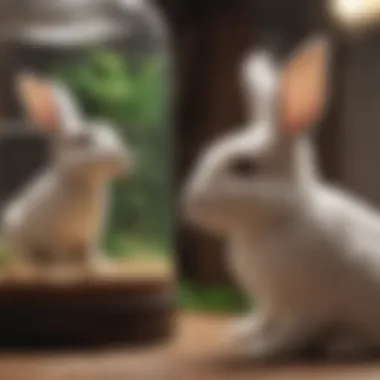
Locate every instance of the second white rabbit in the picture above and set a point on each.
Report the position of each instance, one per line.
(59, 216)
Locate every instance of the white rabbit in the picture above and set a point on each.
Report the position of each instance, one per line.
(58, 217)
(306, 252)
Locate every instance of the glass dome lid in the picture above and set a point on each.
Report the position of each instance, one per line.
(72, 23)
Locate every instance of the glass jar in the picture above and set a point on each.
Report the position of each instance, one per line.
(112, 58)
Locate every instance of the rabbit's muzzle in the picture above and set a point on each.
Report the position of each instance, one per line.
(196, 205)
(115, 165)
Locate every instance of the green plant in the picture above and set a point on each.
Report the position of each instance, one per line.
(218, 299)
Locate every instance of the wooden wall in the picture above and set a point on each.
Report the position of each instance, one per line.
(360, 101)
(209, 42)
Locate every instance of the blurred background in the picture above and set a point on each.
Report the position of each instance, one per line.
(129, 80)
(206, 42)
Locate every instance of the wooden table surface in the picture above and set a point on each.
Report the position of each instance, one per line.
(192, 355)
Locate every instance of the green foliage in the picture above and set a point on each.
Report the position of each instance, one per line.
(218, 299)
(133, 93)
(122, 246)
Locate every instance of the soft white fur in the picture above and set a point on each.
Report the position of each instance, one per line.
(62, 210)
(306, 252)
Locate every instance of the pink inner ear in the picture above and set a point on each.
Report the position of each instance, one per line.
(301, 110)
(303, 89)
(46, 111)
(39, 100)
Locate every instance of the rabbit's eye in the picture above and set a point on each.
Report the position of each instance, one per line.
(244, 167)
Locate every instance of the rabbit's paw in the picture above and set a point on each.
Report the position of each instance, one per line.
(266, 349)
(98, 266)
(281, 341)
(246, 329)
(263, 351)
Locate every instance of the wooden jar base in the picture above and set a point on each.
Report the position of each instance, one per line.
(123, 308)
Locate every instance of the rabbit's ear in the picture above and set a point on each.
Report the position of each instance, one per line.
(38, 99)
(71, 118)
(48, 104)
(259, 79)
(303, 87)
